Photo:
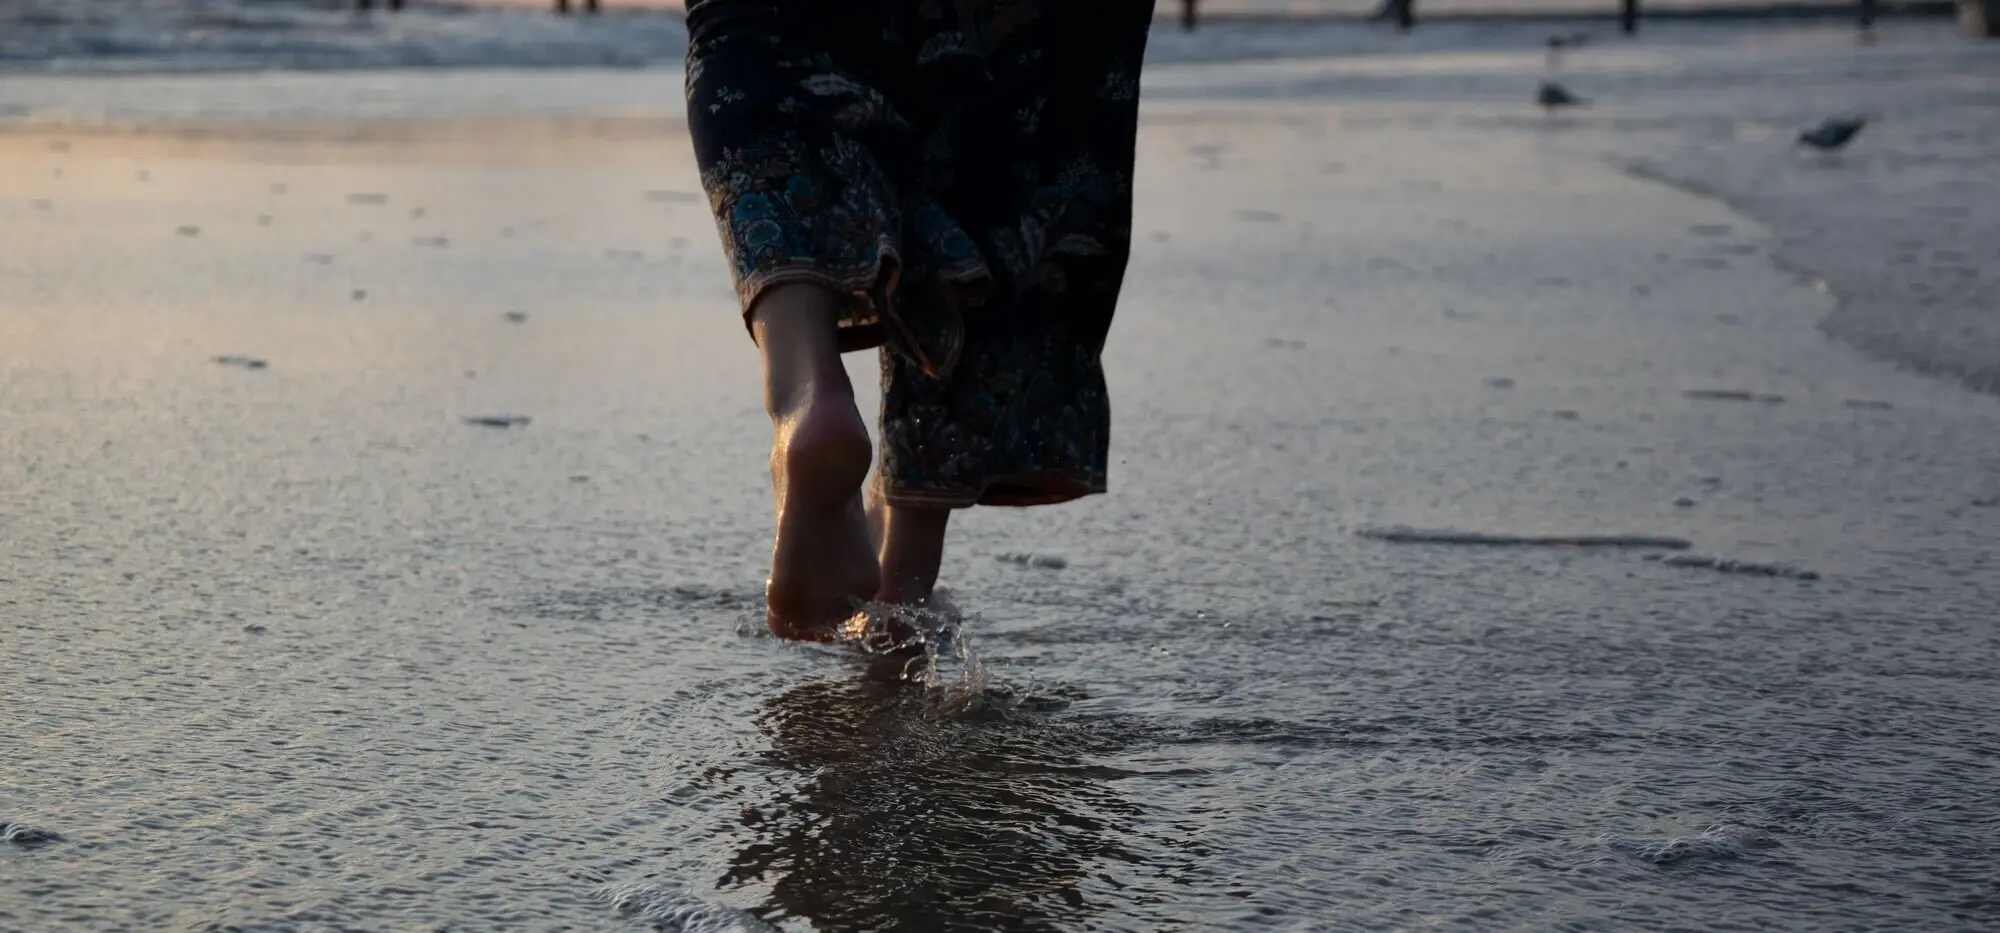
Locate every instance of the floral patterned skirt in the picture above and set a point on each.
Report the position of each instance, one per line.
(960, 172)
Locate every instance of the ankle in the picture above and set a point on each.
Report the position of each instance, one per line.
(794, 389)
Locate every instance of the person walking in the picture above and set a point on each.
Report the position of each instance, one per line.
(948, 182)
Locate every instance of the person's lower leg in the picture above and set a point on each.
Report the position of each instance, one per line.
(912, 550)
(822, 562)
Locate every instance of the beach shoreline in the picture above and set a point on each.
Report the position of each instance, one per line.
(388, 511)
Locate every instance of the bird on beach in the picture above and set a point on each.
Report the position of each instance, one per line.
(1832, 134)
(1553, 96)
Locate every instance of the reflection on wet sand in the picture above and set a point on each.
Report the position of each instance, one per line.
(906, 818)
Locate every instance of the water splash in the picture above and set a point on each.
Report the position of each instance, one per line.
(927, 646)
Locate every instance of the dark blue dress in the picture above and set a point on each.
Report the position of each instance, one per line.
(960, 171)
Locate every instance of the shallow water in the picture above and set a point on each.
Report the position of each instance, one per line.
(296, 647)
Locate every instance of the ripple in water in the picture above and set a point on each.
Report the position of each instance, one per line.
(25, 836)
(1721, 842)
(668, 911)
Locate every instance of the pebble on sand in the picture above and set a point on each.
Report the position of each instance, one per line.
(515, 317)
(497, 421)
(1729, 565)
(239, 361)
(1499, 382)
(188, 231)
(1404, 534)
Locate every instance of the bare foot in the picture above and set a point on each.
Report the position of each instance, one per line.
(822, 563)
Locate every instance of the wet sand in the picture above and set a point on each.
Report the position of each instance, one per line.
(301, 646)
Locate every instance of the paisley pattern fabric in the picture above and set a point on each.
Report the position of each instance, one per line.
(960, 171)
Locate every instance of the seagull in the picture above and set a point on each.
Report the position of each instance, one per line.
(1553, 96)
(1832, 134)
